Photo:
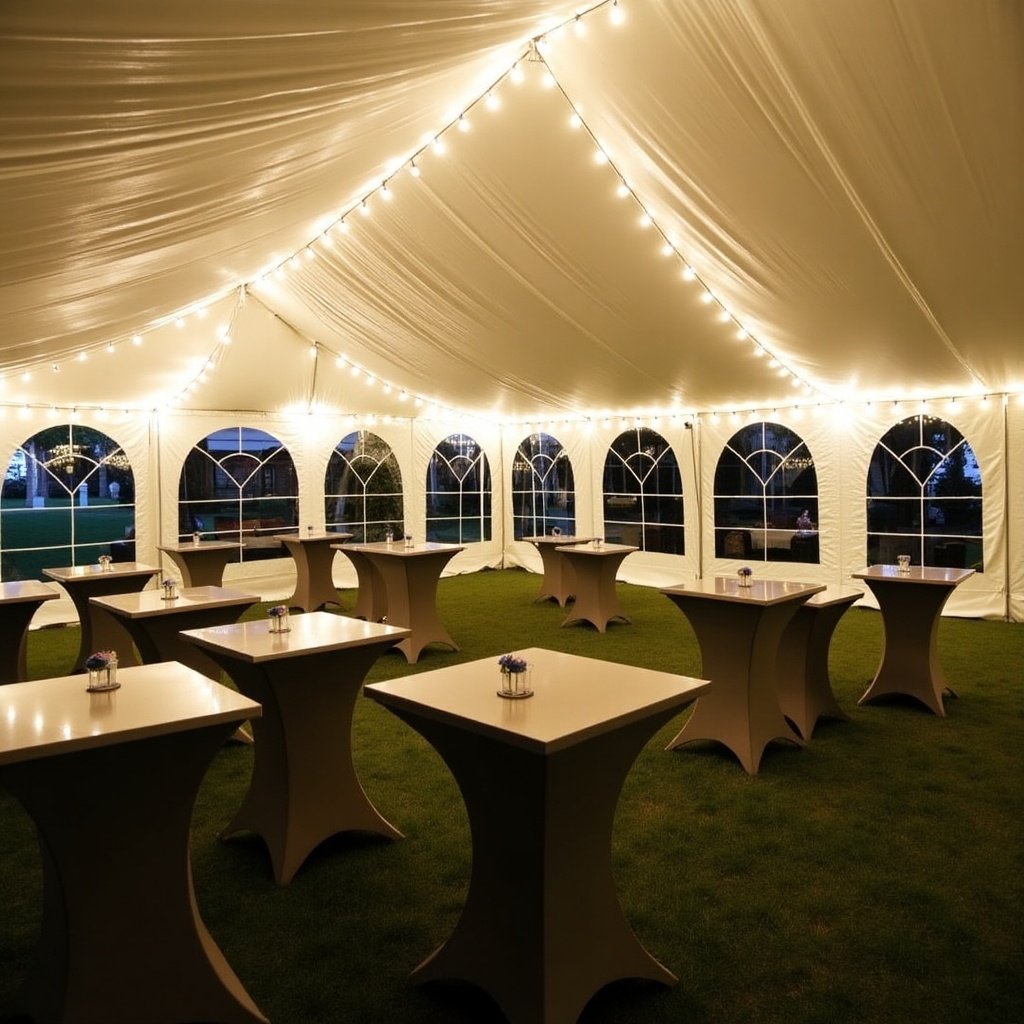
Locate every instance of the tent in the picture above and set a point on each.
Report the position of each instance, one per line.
(496, 218)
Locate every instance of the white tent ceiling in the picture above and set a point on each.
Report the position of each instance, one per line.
(844, 177)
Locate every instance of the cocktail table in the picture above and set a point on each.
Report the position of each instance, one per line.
(594, 568)
(911, 603)
(19, 601)
(542, 929)
(408, 579)
(110, 779)
(304, 787)
(313, 554)
(559, 582)
(202, 564)
(99, 630)
(739, 630)
(801, 670)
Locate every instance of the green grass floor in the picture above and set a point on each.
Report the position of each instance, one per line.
(873, 877)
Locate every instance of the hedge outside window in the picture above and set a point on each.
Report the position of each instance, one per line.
(766, 497)
(68, 497)
(543, 488)
(924, 497)
(458, 502)
(363, 489)
(643, 493)
(239, 484)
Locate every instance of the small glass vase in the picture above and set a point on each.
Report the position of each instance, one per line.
(280, 623)
(515, 685)
(170, 592)
(102, 679)
(745, 579)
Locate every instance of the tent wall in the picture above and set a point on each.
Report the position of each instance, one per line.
(840, 443)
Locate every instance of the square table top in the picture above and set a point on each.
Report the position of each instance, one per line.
(311, 632)
(399, 549)
(18, 591)
(834, 595)
(312, 538)
(562, 538)
(574, 698)
(204, 545)
(591, 549)
(150, 603)
(914, 574)
(760, 591)
(44, 717)
(70, 573)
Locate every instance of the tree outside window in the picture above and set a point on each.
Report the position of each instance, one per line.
(68, 497)
(766, 496)
(363, 489)
(543, 488)
(239, 484)
(458, 501)
(924, 497)
(643, 493)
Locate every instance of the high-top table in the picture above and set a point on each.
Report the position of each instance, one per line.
(559, 582)
(99, 631)
(739, 630)
(304, 787)
(109, 780)
(313, 554)
(594, 568)
(408, 578)
(801, 669)
(19, 601)
(155, 624)
(911, 603)
(542, 929)
(202, 564)
(371, 595)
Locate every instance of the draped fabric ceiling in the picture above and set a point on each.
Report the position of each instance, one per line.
(843, 178)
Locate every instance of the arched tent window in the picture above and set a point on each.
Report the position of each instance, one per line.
(363, 488)
(239, 484)
(924, 496)
(543, 488)
(68, 497)
(458, 492)
(766, 496)
(643, 493)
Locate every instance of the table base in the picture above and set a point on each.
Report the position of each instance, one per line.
(542, 929)
(122, 940)
(910, 663)
(306, 790)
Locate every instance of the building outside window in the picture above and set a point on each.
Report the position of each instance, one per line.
(458, 492)
(643, 493)
(363, 489)
(766, 496)
(543, 488)
(68, 497)
(239, 484)
(924, 497)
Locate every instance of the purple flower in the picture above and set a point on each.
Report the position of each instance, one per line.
(168, 582)
(98, 660)
(277, 611)
(745, 571)
(511, 664)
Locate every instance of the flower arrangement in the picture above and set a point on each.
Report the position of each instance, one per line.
(105, 562)
(102, 669)
(279, 621)
(170, 587)
(512, 665)
(515, 679)
(745, 575)
(99, 660)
